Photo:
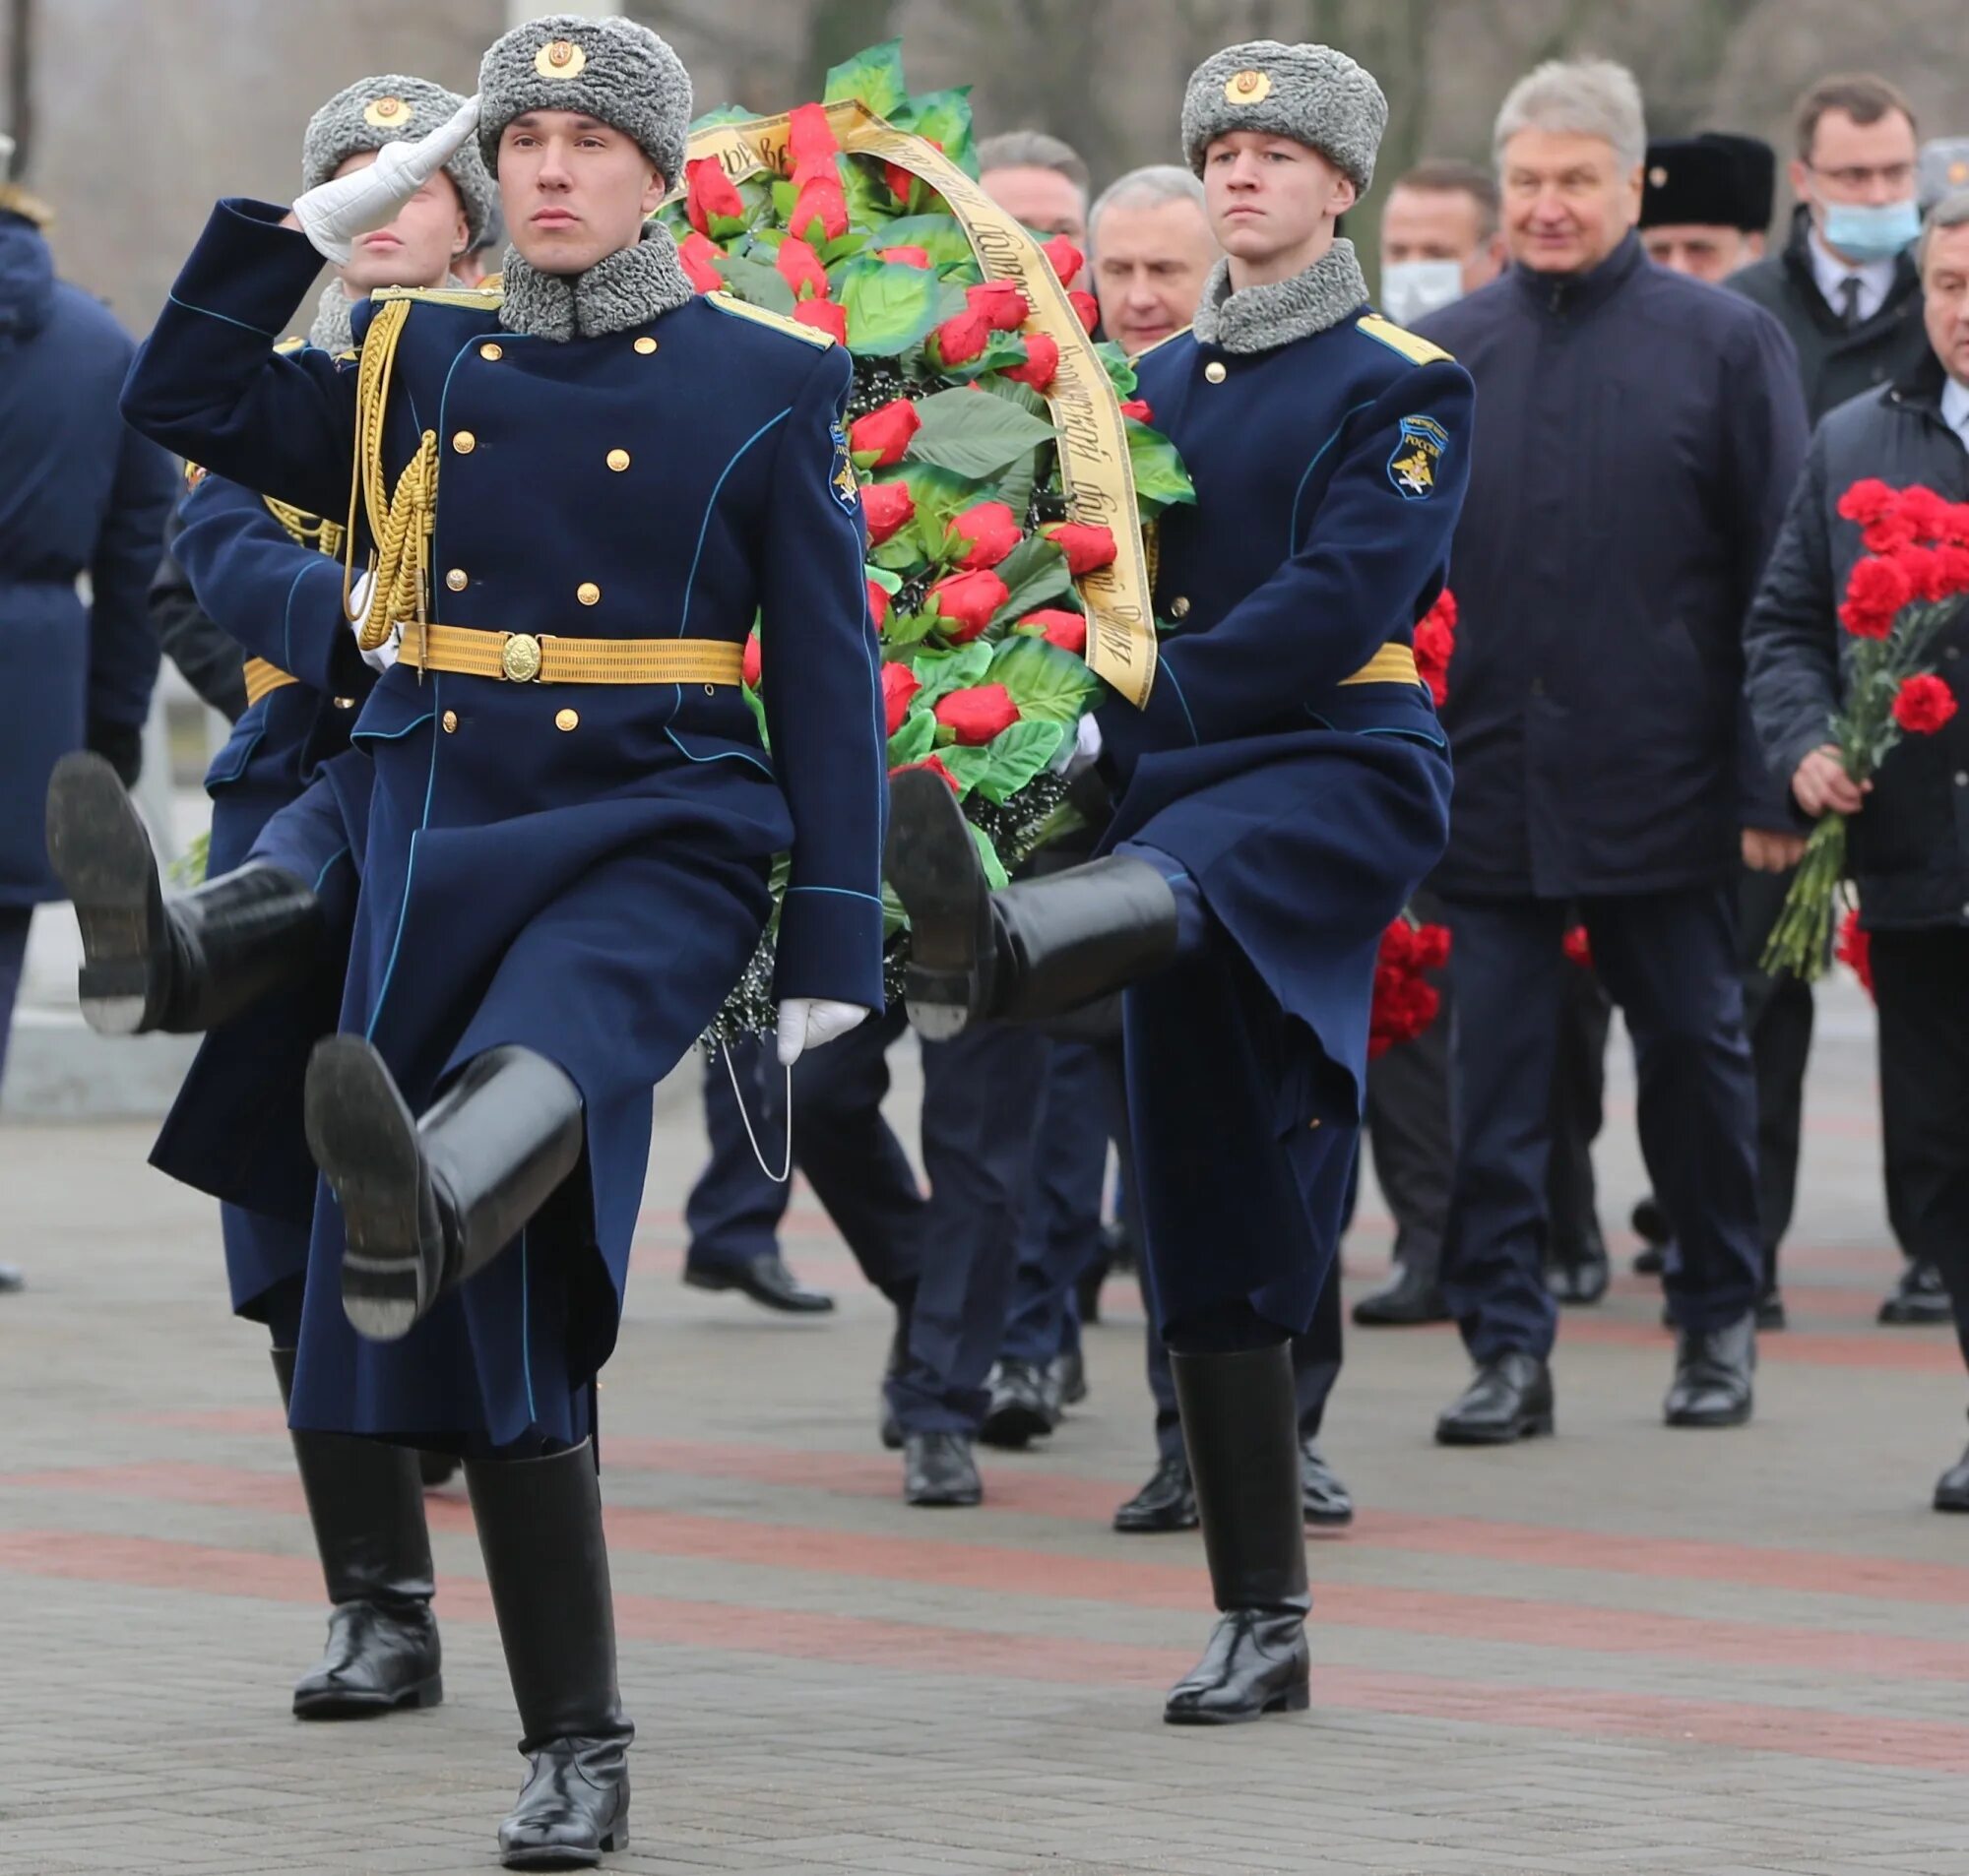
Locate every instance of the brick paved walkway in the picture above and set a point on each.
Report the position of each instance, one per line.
(1623, 1649)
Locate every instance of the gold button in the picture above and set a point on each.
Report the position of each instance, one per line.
(1215, 372)
(465, 442)
(646, 344)
(588, 593)
(345, 703)
(1180, 607)
(488, 350)
(566, 720)
(618, 460)
(450, 720)
(456, 579)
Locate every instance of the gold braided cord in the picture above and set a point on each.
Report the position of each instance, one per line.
(305, 530)
(401, 525)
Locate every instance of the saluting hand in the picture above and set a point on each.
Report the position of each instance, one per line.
(334, 213)
(1821, 784)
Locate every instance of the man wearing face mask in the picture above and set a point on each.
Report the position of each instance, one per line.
(1439, 238)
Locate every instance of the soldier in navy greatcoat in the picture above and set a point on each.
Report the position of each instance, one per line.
(1279, 798)
(582, 491)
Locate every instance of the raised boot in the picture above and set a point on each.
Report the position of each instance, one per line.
(426, 1203)
(151, 960)
(1034, 949)
(1241, 1425)
(365, 1502)
(539, 1529)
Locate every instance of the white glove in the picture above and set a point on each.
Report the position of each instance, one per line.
(805, 1023)
(1082, 752)
(383, 656)
(334, 213)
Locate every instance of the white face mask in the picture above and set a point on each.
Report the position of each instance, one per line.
(1413, 289)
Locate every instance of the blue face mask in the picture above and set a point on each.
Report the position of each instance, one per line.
(1871, 231)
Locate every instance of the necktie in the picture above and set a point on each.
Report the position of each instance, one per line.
(1849, 301)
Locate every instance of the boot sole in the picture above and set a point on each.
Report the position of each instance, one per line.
(1734, 1416)
(101, 854)
(1536, 1426)
(933, 866)
(347, 1706)
(365, 1140)
(616, 1839)
(1013, 1429)
(1294, 1699)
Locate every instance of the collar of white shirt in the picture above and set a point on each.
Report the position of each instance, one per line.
(1955, 408)
(1876, 278)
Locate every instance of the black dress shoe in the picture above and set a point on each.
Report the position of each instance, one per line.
(1412, 1296)
(1650, 1262)
(1712, 1375)
(1087, 1290)
(1919, 1299)
(938, 1470)
(1772, 1310)
(1165, 1503)
(1509, 1400)
(1951, 1490)
(1325, 1501)
(1650, 1222)
(1018, 1413)
(1579, 1273)
(1257, 1662)
(437, 1469)
(889, 1430)
(1067, 1381)
(766, 1279)
(10, 1279)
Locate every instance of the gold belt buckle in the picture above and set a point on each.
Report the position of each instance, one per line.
(519, 657)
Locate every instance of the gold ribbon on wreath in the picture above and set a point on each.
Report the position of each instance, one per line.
(1094, 469)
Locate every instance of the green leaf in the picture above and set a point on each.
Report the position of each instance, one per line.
(890, 307)
(875, 77)
(939, 235)
(756, 283)
(1045, 681)
(943, 117)
(995, 875)
(909, 628)
(1011, 760)
(869, 203)
(939, 494)
(833, 253)
(912, 742)
(974, 436)
(1161, 480)
(890, 582)
(1036, 573)
(1121, 373)
(723, 114)
(942, 672)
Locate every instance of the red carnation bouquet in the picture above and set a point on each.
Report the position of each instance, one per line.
(1436, 645)
(1405, 1001)
(1898, 597)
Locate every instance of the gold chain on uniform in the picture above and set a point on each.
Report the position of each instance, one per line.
(401, 524)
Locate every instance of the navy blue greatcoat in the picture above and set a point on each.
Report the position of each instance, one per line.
(579, 871)
(1329, 471)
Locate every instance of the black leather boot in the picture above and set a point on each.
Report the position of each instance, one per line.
(1412, 1296)
(1168, 1502)
(1509, 1400)
(1579, 1269)
(1919, 1299)
(426, 1203)
(1035, 950)
(1020, 1409)
(539, 1529)
(1241, 1425)
(1951, 1490)
(1712, 1375)
(1651, 1226)
(1323, 1497)
(938, 1471)
(151, 960)
(366, 1501)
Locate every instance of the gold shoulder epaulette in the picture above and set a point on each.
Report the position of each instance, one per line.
(1180, 331)
(483, 299)
(778, 321)
(292, 342)
(1417, 349)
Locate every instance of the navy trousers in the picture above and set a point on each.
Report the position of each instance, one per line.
(1669, 959)
(849, 1154)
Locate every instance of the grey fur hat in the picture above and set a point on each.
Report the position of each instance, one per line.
(1312, 93)
(390, 109)
(613, 69)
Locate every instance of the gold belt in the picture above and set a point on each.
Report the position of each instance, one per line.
(1391, 664)
(520, 658)
(262, 678)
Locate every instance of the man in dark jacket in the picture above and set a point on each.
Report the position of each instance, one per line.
(1644, 431)
(1908, 845)
(83, 495)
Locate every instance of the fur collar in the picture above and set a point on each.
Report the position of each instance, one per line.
(1264, 317)
(629, 287)
(329, 332)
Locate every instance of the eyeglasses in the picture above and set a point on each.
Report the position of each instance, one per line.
(1894, 175)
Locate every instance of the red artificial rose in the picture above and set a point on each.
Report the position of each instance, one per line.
(899, 685)
(878, 440)
(811, 142)
(700, 255)
(1923, 705)
(1876, 591)
(707, 192)
(1436, 643)
(1578, 947)
(1058, 626)
(1087, 549)
(824, 315)
(887, 507)
(987, 532)
(821, 200)
(1087, 308)
(799, 266)
(904, 256)
(750, 673)
(935, 764)
(1867, 500)
(1004, 307)
(901, 181)
(1138, 409)
(961, 338)
(965, 603)
(1855, 949)
(1042, 363)
(878, 606)
(1432, 947)
(1066, 258)
(976, 714)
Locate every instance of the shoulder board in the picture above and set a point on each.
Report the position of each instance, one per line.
(479, 299)
(294, 342)
(1417, 349)
(1182, 332)
(778, 321)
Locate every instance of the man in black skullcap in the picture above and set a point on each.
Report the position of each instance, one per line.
(1706, 206)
